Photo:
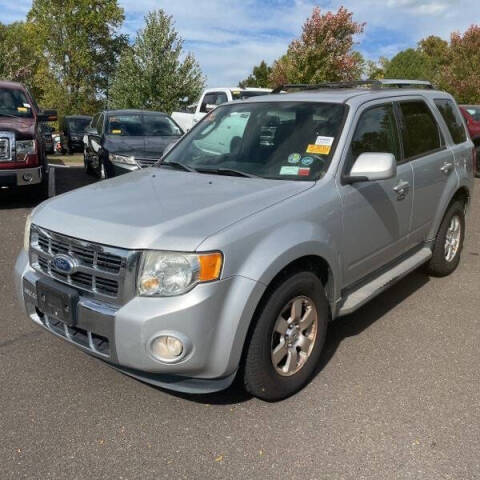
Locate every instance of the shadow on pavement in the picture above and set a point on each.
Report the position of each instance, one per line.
(66, 179)
(340, 329)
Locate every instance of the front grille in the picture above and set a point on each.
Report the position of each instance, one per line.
(7, 142)
(4, 148)
(85, 338)
(105, 272)
(146, 162)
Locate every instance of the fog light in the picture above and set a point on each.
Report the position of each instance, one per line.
(27, 177)
(166, 347)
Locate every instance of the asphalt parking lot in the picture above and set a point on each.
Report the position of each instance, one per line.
(396, 396)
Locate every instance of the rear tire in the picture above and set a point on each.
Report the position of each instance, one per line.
(283, 352)
(449, 242)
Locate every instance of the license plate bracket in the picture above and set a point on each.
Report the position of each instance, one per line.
(57, 301)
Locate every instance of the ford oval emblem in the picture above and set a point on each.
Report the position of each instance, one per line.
(64, 264)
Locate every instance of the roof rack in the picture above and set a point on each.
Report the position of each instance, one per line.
(373, 84)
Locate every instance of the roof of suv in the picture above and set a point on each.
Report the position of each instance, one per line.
(343, 95)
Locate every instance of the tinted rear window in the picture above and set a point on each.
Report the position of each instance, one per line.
(453, 119)
(420, 132)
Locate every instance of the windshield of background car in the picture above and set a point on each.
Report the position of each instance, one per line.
(474, 112)
(279, 140)
(13, 102)
(142, 126)
(78, 125)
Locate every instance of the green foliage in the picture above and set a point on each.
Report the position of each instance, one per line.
(79, 41)
(461, 70)
(154, 73)
(410, 64)
(258, 78)
(323, 53)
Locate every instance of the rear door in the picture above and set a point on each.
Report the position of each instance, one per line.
(459, 141)
(432, 163)
(376, 214)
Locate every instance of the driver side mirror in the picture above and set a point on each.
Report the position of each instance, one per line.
(372, 166)
(209, 107)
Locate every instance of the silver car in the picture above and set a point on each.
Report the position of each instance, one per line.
(272, 217)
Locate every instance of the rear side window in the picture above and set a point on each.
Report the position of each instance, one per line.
(420, 132)
(376, 132)
(453, 119)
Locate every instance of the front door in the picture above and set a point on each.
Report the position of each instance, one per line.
(376, 214)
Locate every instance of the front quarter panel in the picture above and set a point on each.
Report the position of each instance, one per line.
(261, 245)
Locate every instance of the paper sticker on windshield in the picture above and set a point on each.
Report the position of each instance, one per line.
(289, 170)
(307, 161)
(304, 172)
(22, 109)
(324, 141)
(116, 132)
(294, 158)
(319, 149)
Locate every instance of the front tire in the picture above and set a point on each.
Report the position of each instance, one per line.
(287, 339)
(449, 242)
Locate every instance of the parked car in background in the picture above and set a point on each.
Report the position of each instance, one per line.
(210, 99)
(23, 161)
(47, 132)
(121, 141)
(72, 130)
(215, 264)
(471, 113)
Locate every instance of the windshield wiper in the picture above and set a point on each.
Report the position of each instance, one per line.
(227, 171)
(177, 165)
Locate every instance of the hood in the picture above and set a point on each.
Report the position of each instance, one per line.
(140, 147)
(160, 208)
(24, 128)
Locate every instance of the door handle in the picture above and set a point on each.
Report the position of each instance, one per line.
(401, 189)
(446, 167)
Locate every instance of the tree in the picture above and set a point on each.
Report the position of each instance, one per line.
(461, 71)
(19, 60)
(258, 78)
(410, 64)
(152, 73)
(323, 53)
(79, 40)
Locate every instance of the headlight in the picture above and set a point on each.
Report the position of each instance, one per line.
(24, 148)
(26, 237)
(166, 274)
(123, 159)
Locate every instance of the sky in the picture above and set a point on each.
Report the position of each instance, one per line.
(229, 37)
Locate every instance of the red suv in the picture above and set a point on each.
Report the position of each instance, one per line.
(23, 161)
(471, 113)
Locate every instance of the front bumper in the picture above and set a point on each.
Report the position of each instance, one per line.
(212, 319)
(20, 177)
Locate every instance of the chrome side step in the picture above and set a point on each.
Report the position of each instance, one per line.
(366, 292)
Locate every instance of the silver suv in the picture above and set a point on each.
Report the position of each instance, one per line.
(270, 218)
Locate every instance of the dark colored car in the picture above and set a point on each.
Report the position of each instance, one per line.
(471, 113)
(72, 128)
(120, 141)
(47, 132)
(23, 161)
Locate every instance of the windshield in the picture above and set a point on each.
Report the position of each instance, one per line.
(280, 140)
(474, 112)
(244, 94)
(142, 126)
(78, 125)
(13, 102)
